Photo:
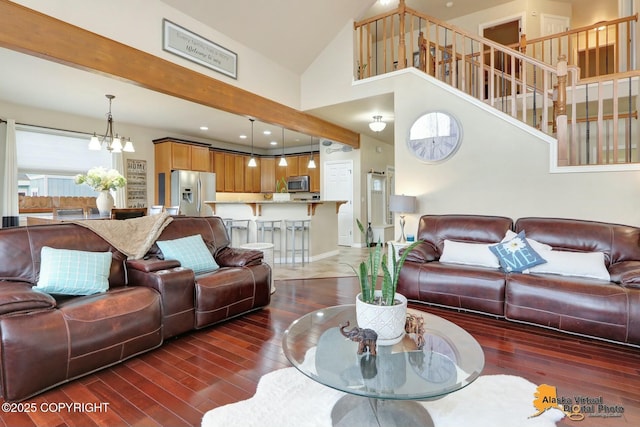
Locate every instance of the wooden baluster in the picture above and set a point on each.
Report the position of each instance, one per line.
(561, 112)
(393, 51)
(523, 44)
(384, 41)
(615, 127)
(586, 54)
(369, 50)
(453, 62)
(402, 48)
(600, 155)
(428, 58)
(422, 63)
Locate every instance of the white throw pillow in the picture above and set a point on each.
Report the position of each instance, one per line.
(477, 254)
(581, 264)
(537, 246)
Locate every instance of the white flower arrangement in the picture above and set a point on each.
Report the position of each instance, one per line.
(101, 179)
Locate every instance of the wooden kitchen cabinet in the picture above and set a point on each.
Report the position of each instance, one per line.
(170, 155)
(268, 167)
(229, 172)
(232, 172)
(252, 176)
(219, 169)
(239, 168)
(200, 159)
(293, 165)
(314, 175)
(182, 156)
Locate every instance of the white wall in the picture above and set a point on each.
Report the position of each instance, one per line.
(139, 24)
(531, 10)
(499, 169)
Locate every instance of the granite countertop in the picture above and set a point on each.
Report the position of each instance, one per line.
(255, 204)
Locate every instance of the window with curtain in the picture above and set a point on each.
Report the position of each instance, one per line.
(48, 160)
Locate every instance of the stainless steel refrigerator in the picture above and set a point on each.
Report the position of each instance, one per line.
(190, 190)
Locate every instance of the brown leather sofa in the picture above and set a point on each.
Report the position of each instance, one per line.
(608, 310)
(48, 340)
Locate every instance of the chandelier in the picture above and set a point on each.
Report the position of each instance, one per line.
(112, 143)
(377, 125)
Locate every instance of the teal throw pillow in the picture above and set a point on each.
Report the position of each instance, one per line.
(71, 272)
(191, 251)
(516, 255)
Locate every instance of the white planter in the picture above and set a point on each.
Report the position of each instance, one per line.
(387, 321)
(281, 197)
(104, 203)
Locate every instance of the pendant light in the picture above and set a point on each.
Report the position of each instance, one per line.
(252, 161)
(111, 143)
(283, 159)
(312, 163)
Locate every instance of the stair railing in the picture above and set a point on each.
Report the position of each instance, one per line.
(551, 98)
(505, 78)
(598, 49)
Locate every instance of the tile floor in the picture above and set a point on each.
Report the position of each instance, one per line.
(335, 266)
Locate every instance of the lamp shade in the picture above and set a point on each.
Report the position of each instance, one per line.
(402, 204)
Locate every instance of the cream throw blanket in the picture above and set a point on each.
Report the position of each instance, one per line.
(133, 237)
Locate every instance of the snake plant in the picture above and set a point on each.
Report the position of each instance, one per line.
(368, 272)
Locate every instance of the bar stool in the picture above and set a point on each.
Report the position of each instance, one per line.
(300, 226)
(239, 225)
(227, 225)
(264, 226)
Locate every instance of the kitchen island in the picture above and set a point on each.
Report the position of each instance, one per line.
(322, 214)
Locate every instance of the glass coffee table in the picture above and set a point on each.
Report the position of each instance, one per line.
(383, 390)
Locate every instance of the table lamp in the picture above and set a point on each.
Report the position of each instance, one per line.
(402, 205)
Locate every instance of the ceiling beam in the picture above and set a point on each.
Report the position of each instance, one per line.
(34, 33)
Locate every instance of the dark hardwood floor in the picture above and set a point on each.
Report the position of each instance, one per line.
(177, 383)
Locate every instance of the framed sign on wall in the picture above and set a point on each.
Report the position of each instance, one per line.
(136, 183)
(191, 46)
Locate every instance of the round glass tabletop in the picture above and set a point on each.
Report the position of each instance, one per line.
(442, 359)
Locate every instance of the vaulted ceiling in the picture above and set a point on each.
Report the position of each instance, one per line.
(291, 32)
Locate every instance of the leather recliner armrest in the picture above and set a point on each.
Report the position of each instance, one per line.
(422, 253)
(152, 264)
(19, 297)
(234, 257)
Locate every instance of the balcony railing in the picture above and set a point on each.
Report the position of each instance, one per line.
(598, 49)
(537, 93)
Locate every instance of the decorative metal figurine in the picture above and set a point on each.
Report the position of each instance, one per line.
(366, 338)
(414, 327)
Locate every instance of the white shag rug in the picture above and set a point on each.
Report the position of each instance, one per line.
(286, 397)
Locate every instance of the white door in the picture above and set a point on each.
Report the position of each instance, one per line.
(338, 185)
(552, 24)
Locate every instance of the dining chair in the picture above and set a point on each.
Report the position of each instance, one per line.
(68, 213)
(173, 210)
(155, 209)
(127, 213)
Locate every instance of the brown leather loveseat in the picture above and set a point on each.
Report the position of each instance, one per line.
(47, 340)
(603, 308)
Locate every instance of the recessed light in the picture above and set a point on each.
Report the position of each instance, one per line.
(204, 128)
(267, 132)
(449, 4)
(274, 143)
(243, 136)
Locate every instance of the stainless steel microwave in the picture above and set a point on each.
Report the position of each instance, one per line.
(298, 183)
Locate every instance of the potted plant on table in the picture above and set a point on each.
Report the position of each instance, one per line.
(281, 193)
(383, 310)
